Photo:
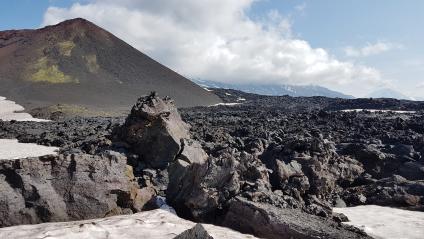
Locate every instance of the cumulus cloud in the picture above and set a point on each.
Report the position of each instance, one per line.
(371, 49)
(420, 85)
(301, 7)
(217, 40)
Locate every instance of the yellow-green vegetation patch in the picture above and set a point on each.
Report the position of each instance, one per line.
(46, 71)
(91, 61)
(65, 48)
(69, 109)
(78, 110)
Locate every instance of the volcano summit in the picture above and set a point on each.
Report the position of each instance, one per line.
(78, 63)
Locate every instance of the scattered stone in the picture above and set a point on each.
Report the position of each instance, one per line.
(197, 232)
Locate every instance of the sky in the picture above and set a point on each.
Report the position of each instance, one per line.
(353, 46)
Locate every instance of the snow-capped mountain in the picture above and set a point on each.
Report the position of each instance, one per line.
(389, 93)
(292, 90)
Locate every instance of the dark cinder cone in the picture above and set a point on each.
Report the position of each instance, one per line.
(78, 63)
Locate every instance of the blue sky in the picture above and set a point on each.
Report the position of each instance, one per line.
(384, 35)
(22, 14)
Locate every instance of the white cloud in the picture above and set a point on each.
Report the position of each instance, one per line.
(420, 85)
(301, 7)
(371, 49)
(216, 40)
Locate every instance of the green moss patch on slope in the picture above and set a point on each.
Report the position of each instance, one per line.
(65, 47)
(46, 71)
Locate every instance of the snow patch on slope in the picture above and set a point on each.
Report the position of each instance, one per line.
(385, 222)
(12, 149)
(226, 104)
(156, 224)
(9, 109)
(381, 111)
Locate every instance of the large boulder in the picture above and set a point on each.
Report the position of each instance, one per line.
(265, 221)
(372, 158)
(154, 131)
(394, 191)
(63, 188)
(200, 189)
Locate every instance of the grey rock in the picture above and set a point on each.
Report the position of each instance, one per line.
(63, 188)
(192, 152)
(412, 170)
(286, 171)
(154, 130)
(339, 203)
(197, 232)
(198, 189)
(366, 154)
(394, 191)
(266, 221)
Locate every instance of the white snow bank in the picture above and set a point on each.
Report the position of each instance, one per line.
(227, 93)
(8, 111)
(12, 149)
(241, 99)
(371, 110)
(386, 222)
(226, 104)
(156, 224)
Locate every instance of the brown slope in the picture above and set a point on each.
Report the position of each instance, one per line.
(77, 62)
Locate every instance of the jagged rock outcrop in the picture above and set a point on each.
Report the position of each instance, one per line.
(67, 187)
(265, 221)
(154, 130)
(310, 171)
(199, 186)
(200, 189)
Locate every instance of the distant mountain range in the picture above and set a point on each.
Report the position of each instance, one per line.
(276, 90)
(78, 63)
(389, 93)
